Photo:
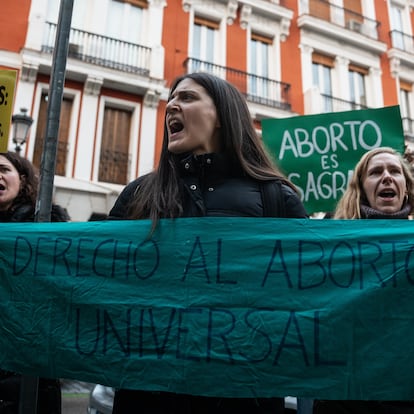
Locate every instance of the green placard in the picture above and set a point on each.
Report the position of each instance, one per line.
(318, 152)
(233, 307)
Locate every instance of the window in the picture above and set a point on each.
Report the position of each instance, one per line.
(260, 47)
(397, 27)
(322, 79)
(62, 145)
(405, 107)
(53, 11)
(124, 20)
(353, 12)
(204, 42)
(320, 9)
(78, 12)
(114, 156)
(357, 90)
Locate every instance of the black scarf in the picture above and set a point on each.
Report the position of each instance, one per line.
(371, 213)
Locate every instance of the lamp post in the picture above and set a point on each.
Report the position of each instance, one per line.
(21, 126)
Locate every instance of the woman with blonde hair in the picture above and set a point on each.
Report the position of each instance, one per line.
(382, 187)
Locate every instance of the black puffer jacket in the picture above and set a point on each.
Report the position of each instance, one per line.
(212, 186)
(24, 213)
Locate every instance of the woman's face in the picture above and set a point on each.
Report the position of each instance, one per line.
(9, 183)
(191, 119)
(384, 183)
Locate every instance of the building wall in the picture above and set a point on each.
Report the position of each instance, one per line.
(13, 26)
(292, 32)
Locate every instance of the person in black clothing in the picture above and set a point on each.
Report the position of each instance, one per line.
(18, 192)
(382, 187)
(212, 163)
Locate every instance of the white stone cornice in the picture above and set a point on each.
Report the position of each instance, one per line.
(152, 98)
(245, 15)
(232, 6)
(395, 67)
(187, 5)
(93, 86)
(307, 49)
(29, 72)
(342, 61)
(284, 29)
(375, 71)
(217, 10)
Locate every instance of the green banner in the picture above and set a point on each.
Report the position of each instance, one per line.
(319, 152)
(245, 307)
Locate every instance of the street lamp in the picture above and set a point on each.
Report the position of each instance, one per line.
(21, 125)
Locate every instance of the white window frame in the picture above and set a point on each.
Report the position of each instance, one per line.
(323, 83)
(355, 87)
(75, 95)
(406, 102)
(261, 87)
(215, 13)
(130, 30)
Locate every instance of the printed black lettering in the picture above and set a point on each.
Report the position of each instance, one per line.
(281, 264)
(197, 260)
(299, 344)
(220, 334)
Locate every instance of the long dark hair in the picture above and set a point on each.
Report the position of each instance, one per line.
(29, 180)
(159, 196)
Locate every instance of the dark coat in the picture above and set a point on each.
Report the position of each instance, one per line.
(49, 392)
(25, 213)
(211, 186)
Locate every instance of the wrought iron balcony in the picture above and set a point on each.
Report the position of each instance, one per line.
(332, 104)
(257, 89)
(102, 50)
(347, 18)
(113, 166)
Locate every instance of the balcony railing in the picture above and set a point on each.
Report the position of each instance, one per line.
(402, 41)
(113, 166)
(257, 89)
(331, 104)
(102, 50)
(344, 17)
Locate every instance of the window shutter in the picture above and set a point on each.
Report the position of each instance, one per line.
(323, 60)
(406, 86)
(206, 22)
(358, 69)
(114, 157)
(138, 3)
(263, 39)
(62, 145)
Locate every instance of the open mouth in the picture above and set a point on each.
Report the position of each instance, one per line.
(175, 126)
(387, 194)
(2, 187)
